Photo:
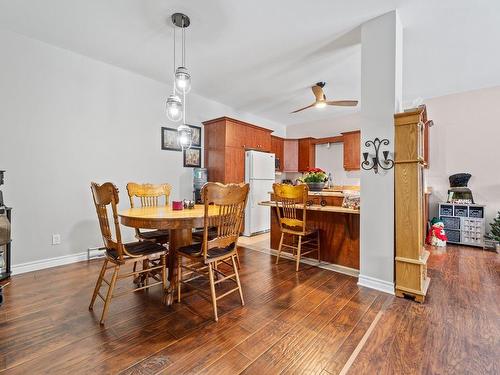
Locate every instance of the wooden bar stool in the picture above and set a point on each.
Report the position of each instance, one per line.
(119, 254)
(220, 248)
(292, 217)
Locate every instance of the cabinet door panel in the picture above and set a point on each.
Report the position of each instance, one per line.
(277, 145)
(234, 165)
(236, 134)
(290, 155)
(307, 154)
(352, 144)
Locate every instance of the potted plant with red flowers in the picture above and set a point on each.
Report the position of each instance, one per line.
(315, 179)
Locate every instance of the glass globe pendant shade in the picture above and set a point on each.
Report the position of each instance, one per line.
(184, 136)
(174, 108)
(182, 80)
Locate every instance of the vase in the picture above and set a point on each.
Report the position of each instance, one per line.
(497, 247)
(315, 186)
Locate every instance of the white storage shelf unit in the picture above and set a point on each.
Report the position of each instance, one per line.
(464, 223)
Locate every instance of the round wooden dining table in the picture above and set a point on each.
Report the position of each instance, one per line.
(180, 224)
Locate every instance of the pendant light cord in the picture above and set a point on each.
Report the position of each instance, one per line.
(173, 86)
(183, 47)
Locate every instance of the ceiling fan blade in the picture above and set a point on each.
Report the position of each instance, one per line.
(318, 93)
(301, 109)
(343, 103)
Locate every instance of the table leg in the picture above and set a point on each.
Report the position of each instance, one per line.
(178, 238)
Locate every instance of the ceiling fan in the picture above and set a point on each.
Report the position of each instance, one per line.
(321, 101)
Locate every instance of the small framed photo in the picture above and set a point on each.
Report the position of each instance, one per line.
(169, 139)
(196, 136)
(192, 158)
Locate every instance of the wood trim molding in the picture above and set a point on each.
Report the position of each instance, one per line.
(322, 141)
(377, 284)
(41, 264)
(225, 118)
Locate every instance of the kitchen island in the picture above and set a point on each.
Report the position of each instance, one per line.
(339, 233)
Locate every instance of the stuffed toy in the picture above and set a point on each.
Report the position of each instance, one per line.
(437, 236)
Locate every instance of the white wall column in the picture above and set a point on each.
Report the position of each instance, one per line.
(381, 65)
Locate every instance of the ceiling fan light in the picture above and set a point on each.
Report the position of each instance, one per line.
(174, 108)
(182, 80)
(320, 105)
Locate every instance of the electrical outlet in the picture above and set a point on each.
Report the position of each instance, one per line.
(56, 239)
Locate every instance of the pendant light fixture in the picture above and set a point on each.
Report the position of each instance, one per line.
(182, 76)
(174, 103)
(182, 84)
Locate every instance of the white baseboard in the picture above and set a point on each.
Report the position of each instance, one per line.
(325, 265)
(48, 263)
(373, 283)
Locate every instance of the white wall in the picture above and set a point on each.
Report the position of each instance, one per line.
(465, 138)
(67, 120)
(380, 97)
(330, 159)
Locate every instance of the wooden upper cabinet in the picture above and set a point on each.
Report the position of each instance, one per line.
(277, 148)
(226, 140)
(257, 139)
(352, 150)
(290, 161)
(307, 154)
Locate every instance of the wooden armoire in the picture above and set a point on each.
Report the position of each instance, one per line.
(411, 257)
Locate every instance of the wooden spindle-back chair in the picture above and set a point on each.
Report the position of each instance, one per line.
(229, 201)
(119, 253)
(150, 195)
(291, 208)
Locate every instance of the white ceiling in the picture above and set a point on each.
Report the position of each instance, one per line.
(262, 56)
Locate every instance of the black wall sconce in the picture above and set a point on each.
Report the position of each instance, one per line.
(385, 164)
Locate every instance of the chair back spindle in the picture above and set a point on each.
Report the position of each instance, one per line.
(230, 201)
(291, 204)
(148, 194)
(107, 195)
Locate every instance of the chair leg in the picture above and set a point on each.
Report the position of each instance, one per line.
(163, 262)
(238, 259)
(98, 283)
(145, 265)
(212, 290)
(319, 251)
(109, 295)
(279, 248)
(298, 253)
(179, 277)
(238, 280)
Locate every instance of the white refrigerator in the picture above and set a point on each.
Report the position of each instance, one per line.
(260, 174)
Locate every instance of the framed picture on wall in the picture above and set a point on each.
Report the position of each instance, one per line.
(192, 158)
(196, 136)
(169, 139)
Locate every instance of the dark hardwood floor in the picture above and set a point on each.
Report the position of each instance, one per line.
(312, 322)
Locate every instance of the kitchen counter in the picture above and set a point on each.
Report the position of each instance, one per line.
(338, 228)
(323, 193)
(317, 207)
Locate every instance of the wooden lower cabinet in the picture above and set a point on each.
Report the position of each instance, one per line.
(339, 236)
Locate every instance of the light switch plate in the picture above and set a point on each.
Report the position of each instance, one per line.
(56, 239)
